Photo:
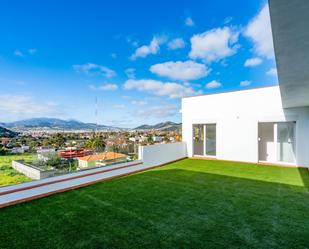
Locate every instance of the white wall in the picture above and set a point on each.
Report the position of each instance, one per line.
(31, 171)
(153, 155)
(237, 115)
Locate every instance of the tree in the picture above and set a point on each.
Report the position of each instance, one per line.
(96, 143)
(57, 140)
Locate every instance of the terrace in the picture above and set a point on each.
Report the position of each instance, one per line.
(189, 203)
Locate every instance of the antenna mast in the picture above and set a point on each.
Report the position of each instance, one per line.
(96, 115)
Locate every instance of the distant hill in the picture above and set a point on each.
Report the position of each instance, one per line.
(6, 132)
(165, 126)
(55, 124)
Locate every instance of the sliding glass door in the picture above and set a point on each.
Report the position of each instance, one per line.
(204, 139)
(210, 139)
(286, 142)
(198, 139)
(277, 142)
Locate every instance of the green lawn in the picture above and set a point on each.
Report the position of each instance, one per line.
(8, 175)
(187, 204)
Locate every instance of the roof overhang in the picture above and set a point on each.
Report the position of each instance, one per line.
(290, 28)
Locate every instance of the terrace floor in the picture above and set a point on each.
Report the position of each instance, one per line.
(187, 204)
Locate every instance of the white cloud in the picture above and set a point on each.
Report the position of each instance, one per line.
(245, 83)
(214, 45)
(164, 111)
(93, 69)
(259, 31)
(178, 70)
(138, 102)
(189, 22)
(120, 106)
(253, 62)
(152, 48)
(32, 51)
(26, 106)
(132, 41)
(227, 20)
(130, 72)
(114, 55)
(176, 44)
(213, 84)
(18, 53)
(272, 72)
(105, 87)
(159, 88)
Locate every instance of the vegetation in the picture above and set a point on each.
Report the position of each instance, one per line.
(96, 143)
(8, 175)
(56, 140)
(55, 162)
(187, 204)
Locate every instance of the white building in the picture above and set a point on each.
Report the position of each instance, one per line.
(249, 125)
(25, 147)
(157, 139)
(17, 150)
(266, 124)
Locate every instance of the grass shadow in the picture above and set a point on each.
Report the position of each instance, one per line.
(171, 208)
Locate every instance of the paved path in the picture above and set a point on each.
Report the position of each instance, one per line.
(37, 189)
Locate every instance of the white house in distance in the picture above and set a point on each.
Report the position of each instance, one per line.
(269, 124)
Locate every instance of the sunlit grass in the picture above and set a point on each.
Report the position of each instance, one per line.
(8, 175)
(187, 204)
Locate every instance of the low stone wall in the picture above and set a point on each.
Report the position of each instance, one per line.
(31, 171)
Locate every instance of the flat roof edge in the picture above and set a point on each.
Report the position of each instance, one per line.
(238, 90)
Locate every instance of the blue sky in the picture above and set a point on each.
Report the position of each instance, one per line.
(138, 58)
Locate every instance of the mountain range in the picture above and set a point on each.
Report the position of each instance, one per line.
(55, 124)
(165, 126)
(60, 124)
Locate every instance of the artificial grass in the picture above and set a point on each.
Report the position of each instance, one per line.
(187, 204)
(8, 175)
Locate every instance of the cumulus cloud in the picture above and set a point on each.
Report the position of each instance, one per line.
(189, 22)
(178, 70)
(18, 53)
(213, 84)
(32, 51)
(105, 87)
(94, 69)
(138, 102)
(119, 106)
(252, 62)
(227, 20)
(245, 83)
(176, 44)
(259, 31)
(152, 48)
(163, 111)
(130, 72)
(214, 44)
(26, 106)
(159, 88)
(272, 72)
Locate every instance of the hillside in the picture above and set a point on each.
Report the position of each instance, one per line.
(6, 132)
(165, 126)
(56, 124)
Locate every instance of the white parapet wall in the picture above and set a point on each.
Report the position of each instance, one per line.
(31, 171)
(158, 154)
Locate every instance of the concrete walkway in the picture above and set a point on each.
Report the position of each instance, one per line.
(37, 189)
